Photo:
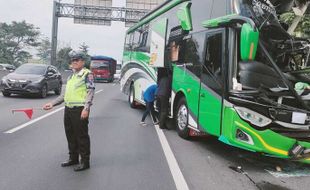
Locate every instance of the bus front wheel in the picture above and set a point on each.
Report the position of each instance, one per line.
(182, 119)
(131, 97)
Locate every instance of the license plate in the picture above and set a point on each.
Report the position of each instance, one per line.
(299, 118)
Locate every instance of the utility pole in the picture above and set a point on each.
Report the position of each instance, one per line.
(54, 34)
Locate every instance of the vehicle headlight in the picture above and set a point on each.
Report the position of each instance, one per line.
(253, 117)
(3, 80)
(22, 81)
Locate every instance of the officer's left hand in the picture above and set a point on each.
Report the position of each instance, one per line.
(84, 114)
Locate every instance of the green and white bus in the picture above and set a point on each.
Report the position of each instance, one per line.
(236, 73)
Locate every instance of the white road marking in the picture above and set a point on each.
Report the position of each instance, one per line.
(33, 121)
(98, 91)
(38, 119)
(295, 173)
(175, 170)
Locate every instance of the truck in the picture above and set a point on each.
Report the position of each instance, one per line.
(103, 68)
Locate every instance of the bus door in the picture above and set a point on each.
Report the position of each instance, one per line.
(211, 83)
(187, 53)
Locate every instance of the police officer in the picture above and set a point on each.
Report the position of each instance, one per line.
(78, 98)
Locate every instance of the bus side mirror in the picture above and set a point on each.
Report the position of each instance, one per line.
(184, 16)
(248, 42)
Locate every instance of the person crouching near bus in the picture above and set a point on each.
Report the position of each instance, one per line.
(163, 95)
(78, 98)
(149, 98)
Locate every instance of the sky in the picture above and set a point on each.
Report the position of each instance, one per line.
(102, 40)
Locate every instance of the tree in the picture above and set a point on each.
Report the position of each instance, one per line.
(44, 50)
(15, 39)
(63, 58)
(84, 48)
(303, 28)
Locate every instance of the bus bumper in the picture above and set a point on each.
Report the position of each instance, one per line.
(241, 134)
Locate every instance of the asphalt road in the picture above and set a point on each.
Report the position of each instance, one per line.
(126, 155)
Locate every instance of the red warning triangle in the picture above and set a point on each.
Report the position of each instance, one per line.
(28, 111)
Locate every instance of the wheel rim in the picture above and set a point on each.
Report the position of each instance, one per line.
(182, 117)
(44, 91)
(131, 96)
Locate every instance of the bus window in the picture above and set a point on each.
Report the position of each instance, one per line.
(144, 44)
(128, 42)
(136, 39)
(143, 39)
(191, 52)
(212, 71)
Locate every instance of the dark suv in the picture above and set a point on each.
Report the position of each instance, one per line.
(32, 79)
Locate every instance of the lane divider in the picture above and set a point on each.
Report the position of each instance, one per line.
(175, 170)
(38, 119)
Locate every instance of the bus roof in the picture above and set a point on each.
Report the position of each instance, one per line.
(101, 57)
(165, 6)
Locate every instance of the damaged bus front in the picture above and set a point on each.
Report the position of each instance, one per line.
(266, 107)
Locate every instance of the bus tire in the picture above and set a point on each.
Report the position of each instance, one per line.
(131, 97)
(181, 119)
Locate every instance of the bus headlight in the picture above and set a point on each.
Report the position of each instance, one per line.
(253, 117)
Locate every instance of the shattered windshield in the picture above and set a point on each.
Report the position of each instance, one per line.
(260, 11)
(263, 13)
(281, 63)
(290, 54)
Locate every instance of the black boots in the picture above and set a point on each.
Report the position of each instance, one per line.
(82, 166)
(69, 162)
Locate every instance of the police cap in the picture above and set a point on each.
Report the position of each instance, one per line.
(74, 55)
